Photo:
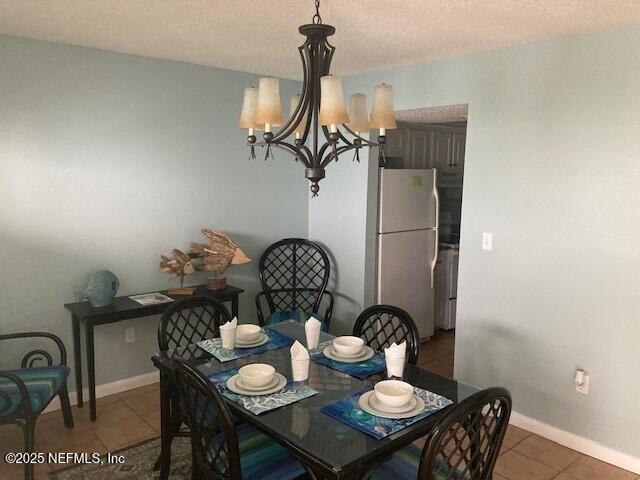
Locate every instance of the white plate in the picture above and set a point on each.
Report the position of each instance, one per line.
(264, 339)
(365, 404)
(274, 381)
(235, 388)
(330, 353)
(335, 353)
(378, 405)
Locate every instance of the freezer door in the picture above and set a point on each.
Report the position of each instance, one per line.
(404, 275)
(408, 200)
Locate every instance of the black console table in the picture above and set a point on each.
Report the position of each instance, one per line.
(122, 308)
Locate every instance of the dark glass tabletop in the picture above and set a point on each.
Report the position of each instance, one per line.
(332, 448)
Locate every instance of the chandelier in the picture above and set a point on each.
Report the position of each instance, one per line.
(319, 128)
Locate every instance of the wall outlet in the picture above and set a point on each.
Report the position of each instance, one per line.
(129, 335)
(582, 382)
(487, 241)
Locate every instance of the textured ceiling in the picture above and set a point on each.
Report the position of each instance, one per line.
(262, 35)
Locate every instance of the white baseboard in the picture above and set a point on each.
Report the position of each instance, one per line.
(109, 389)
(575, 442)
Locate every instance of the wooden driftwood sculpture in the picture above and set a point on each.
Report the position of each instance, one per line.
(218, 254)
(178, 266)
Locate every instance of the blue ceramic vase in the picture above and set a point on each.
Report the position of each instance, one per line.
(102, 288)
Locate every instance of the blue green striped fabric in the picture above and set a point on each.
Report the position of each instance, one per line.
(42, 384)
(297, 315)
(404, 464)
(264, 459)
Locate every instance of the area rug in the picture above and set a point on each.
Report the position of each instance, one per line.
(138, 464)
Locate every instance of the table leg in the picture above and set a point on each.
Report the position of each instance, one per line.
(91, 369)
(165, 427)
(77, 358)
(234, 306)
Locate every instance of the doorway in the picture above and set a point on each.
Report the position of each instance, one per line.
(426, 140)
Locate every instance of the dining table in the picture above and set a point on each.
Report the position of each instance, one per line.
(328, 448)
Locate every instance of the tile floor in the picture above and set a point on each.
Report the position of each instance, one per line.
(133, 416)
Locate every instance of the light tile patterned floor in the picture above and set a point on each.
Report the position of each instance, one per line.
(133, 416)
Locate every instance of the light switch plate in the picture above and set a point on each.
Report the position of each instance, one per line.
(584, 388)
(129, 335)
(487, 241)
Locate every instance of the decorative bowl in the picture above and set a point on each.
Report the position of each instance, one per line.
(348, 345)
(248, 332)
(393, 393)
(257, 374)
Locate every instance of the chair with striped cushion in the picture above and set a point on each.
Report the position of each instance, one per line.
(222, 449)
(294, 273)
(464, 445)
(26, 392)
(185, 322)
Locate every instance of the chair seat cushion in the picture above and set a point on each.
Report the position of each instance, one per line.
(43, 383)
(404, 464)
(262, 458)
(297, 315)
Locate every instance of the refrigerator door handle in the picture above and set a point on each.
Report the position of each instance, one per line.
(436, 196)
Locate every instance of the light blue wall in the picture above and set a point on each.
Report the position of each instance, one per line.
(552, 169)
(109, 160)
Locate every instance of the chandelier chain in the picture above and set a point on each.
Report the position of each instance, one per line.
(317, 18)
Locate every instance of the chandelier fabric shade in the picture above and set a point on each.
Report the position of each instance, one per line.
(358, 115)
(319, 128)
(332, 108)
(268, 108)
(249, 104)
(383, 112)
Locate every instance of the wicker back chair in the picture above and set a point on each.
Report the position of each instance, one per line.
(381, 325)
(468, 439)
(294, 274)
(190, 320)
(185, 322)
(222, 448)
(463, 445)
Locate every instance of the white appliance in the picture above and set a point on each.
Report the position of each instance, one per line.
(407, 243)
(447, 287)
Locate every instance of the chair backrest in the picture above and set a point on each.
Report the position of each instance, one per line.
(381, 325)
(190, 320)
(294, 273)
(466, 442)
(214, 441)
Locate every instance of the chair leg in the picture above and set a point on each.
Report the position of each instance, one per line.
(66, 406)
(29, 430)
(167, 410)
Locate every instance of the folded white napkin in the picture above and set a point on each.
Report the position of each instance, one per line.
(312, 331)
(396, 351)
(298, 352)
(394, 357)
(231, 324)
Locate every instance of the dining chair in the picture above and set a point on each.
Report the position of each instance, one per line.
(381, 325)
(26, 392)
(222, 448)
(464, 444)
(184, 323)
(294, 273)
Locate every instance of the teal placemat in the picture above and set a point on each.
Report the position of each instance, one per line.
(214, 346)
(291, 393)
(349, 412)
(361, 370)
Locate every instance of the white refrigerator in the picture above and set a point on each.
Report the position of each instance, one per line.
(407, 243)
